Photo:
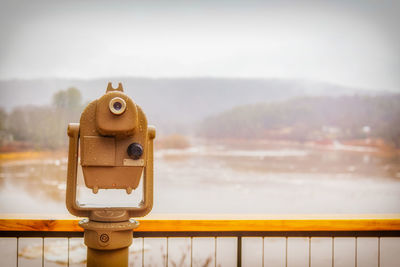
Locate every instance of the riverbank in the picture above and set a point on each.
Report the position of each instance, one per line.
(32, 154)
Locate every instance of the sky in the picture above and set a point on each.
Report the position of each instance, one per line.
(351, 43)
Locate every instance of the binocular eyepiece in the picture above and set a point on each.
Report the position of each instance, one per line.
(117, 106)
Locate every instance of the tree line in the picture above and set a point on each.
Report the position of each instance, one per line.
(300, 119)
(311, 118)
(41, 127)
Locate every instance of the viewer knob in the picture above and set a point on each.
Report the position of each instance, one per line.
(135, 150)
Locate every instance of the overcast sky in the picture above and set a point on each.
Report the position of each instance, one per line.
(353, 43)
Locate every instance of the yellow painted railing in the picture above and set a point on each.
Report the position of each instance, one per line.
(254, 239)
(217, 223)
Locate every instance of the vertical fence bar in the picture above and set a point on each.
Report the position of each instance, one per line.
(17, 249)
(239, 252)
(309, 251)
(143, 252)
(191, 251)
(286, 252)
(263, 251)
(42, 251)
(68, 252)
(379, 251)
(215, 251)
(355, 254)
(166, 254)
(333, 251)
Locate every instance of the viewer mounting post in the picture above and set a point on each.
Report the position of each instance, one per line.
(116, 148)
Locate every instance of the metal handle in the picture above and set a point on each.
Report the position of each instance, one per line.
(72, 173)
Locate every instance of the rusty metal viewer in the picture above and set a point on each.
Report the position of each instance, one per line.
(116, 148)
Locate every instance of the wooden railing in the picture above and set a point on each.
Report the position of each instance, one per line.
(227, 240)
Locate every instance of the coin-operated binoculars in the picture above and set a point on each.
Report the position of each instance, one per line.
(116, 148)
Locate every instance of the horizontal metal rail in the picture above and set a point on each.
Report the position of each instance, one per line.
(215, 234)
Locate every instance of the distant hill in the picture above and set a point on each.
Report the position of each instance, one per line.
(311, 118)
(172, 103)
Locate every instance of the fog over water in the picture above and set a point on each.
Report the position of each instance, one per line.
(226, 178)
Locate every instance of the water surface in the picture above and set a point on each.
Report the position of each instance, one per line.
(227, 177)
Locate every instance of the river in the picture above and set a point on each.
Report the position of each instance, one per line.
(226, 177)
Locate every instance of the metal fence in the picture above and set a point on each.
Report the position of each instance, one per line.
(212, 248)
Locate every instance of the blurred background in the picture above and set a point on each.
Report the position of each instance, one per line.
(260, 106)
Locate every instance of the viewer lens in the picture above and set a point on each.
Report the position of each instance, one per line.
(117, 105)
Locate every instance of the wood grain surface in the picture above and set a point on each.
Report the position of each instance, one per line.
(211, 223)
